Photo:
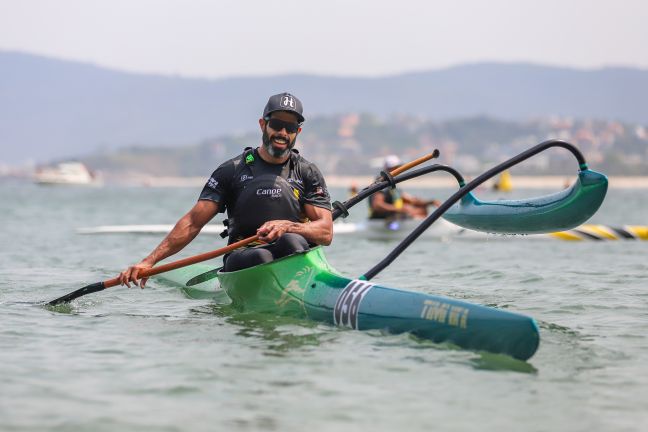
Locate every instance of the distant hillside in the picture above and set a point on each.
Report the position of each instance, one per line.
(353, 145)
(51, 109)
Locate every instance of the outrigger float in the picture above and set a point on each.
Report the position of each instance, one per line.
(305, 285)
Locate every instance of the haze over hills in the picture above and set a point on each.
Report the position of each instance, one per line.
(53, 109)
(354, 144)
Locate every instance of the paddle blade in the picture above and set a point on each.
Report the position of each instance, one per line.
(557, 212)
(204, 277)
(88, 289)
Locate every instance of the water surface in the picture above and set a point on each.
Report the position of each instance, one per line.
(154, 360)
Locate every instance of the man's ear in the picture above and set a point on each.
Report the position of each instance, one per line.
(262, 124)
(299, 130)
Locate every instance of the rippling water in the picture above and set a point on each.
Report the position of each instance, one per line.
(155, 360)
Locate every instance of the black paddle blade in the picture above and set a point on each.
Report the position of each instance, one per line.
(88, 289)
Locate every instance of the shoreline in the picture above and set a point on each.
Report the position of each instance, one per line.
(339, 181)
(519, 182)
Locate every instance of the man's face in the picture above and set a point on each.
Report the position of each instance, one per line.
(280, 133)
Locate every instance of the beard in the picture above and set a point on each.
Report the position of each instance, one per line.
(272, 150)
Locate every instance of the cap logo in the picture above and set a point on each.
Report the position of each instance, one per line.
(288, 101)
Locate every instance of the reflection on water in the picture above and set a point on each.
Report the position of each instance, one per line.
(281, 334)
(498, 362)
(285, 334)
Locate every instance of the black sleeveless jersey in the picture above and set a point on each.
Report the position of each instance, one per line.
(253, 191)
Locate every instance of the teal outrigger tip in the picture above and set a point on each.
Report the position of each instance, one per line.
(561, 211)
(557, 212)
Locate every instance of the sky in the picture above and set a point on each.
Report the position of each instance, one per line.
(216, 39)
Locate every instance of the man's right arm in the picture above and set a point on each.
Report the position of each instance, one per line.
(184, 231)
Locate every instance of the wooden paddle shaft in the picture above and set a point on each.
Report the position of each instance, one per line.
(187, 261)
(401, 169)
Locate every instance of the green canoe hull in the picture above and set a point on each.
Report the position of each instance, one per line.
(305, 285)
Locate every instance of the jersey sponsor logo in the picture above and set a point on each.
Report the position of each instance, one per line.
(212, 183)
(246, 177)
(347, 305)
(288, 102)
(294, 180)
(271, 192)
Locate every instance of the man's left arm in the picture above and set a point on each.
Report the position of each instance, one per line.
(318, 230)
(317, 208)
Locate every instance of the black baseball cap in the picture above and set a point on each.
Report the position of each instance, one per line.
(284, 102)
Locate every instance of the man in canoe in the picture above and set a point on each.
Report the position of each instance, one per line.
(393, 203)
(270, 191)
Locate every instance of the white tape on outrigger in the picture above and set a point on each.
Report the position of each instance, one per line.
(347, 305)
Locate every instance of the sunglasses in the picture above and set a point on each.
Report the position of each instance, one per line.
(277, 125)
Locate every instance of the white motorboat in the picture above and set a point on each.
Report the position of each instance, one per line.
(66, 173)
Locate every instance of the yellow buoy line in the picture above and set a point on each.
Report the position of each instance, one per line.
(603, 232)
